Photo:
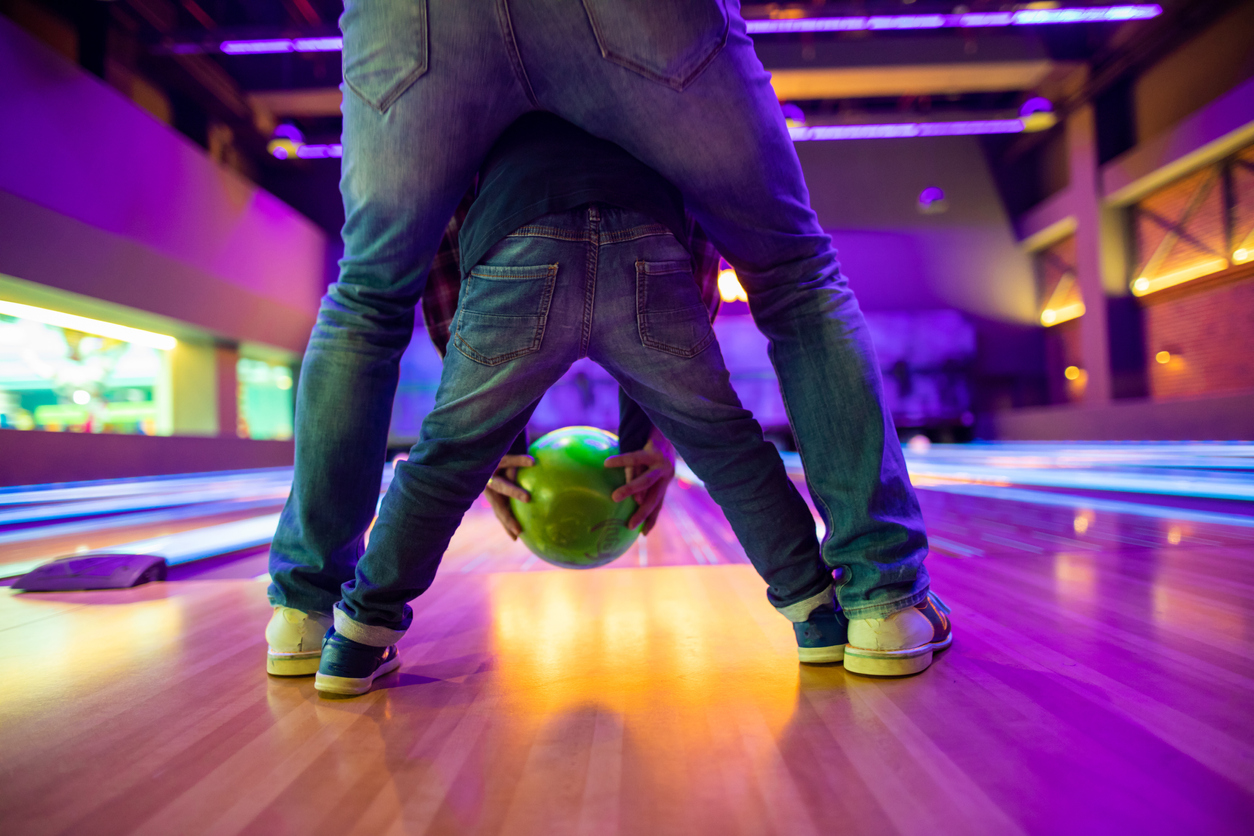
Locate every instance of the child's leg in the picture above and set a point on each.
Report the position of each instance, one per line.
(517, 330)
(652, 332)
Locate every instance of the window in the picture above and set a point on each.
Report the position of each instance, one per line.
(64, 373)
(265, 400)
(1197, 226)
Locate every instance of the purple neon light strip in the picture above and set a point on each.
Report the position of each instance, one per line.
(280, 45)
(873, 23)
(820, 133)
(970, 20)
(906, 130)
(319, 152)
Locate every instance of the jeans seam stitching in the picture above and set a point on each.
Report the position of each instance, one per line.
(482, 271)
(554, 232)
(643, 273)
(674, 82)
(402, 85)
(537, 340)
(590, 277)
(511, 49)
(635, 233)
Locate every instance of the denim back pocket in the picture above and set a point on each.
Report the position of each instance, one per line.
(385, 48)
(502, 312)
(670, 43)
(669, 310)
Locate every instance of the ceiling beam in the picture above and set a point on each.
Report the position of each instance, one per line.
(323, 101)
(790, 85)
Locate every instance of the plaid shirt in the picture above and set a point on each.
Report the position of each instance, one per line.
(439, 301)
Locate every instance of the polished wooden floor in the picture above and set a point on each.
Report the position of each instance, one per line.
(1100, 682)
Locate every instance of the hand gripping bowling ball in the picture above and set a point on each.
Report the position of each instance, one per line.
(571, 520)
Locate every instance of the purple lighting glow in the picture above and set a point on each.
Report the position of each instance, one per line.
(318, 44)
(274, 46)
(320, 152)
(905, 130)
(256, 47)
(969, 20)
(1036, 104)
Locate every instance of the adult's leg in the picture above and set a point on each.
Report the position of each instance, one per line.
(518, 329)
(654, 79)
(417, 123)
(651, 330)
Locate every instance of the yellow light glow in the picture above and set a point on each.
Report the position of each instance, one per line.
(1242, 255)
(287, 150)
(88, 326)
(1163, 357)
(1054, 316)
(1173, 536)
(1075, 579)
(584, 641)
(1039, 121)
(1072, 373)
(729, 287)
(1144, 284)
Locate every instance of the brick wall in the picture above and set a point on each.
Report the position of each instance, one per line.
(1208, 327)
(1062, 349)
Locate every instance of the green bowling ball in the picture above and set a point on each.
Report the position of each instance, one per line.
(571, 520)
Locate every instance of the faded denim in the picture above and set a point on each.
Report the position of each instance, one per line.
(428, 88)
(609, 284)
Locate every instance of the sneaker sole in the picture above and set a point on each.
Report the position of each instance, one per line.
(893, 662)
(350, 686)
(821, 655)
(292, 664)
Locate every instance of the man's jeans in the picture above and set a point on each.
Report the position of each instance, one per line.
(429, 86)
(599, 282)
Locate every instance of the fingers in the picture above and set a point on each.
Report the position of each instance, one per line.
(637, 458)
(500, 486)
(650, 503)
(651, 520)
(502, 482)
(515, 460)
(505, 516)
(638, 485)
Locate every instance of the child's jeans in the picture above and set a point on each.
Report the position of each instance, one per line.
(612, 285)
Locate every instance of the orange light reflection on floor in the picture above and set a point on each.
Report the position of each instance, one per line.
(568, 641)
(1075, 579)
(124, 636)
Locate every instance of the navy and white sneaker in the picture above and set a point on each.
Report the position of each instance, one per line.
(821, 638)
(350, 668)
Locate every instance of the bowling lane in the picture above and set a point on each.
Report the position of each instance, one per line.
(1103, 659)
(691, 531)
(655, 700)
(971, 503)
(44, 522)
(182, 518)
